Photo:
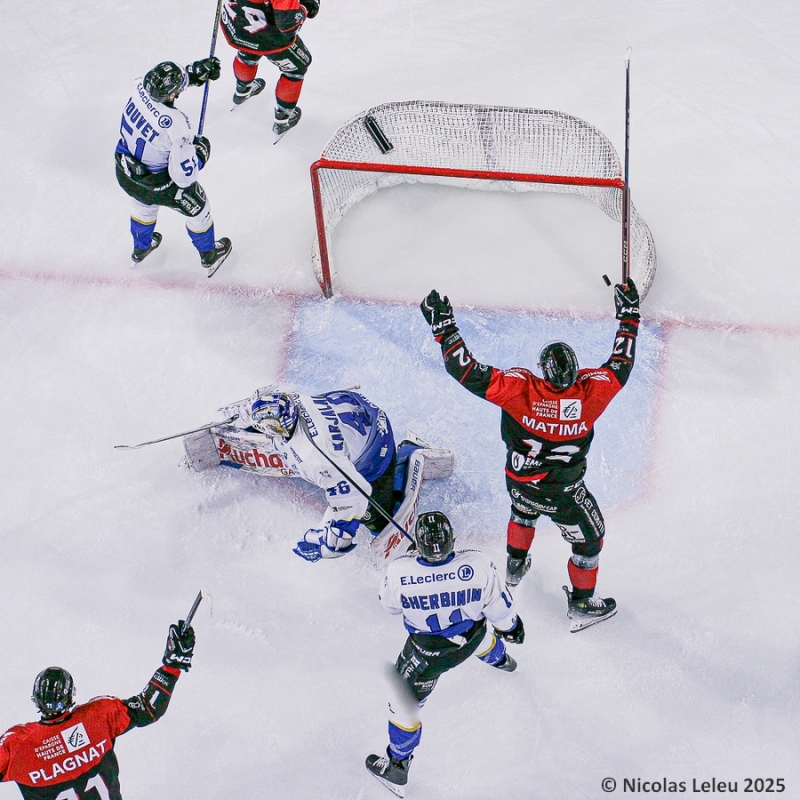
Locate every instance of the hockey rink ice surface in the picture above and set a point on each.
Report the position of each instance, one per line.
(695, 463)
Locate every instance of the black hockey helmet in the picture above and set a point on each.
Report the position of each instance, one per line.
(434, 535)
(165, 80)
(53, 692)
(559, 365)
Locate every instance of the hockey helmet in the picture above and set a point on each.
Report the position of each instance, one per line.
(559, 365)
(53, 692)
(274, 415)
(434, 535)
(166, 80)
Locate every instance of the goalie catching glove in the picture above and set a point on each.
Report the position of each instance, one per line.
(203, 70)
(180, 647)
(438, 314)
(332, 541)
(626, 301)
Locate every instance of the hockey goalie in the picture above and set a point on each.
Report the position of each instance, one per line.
(339, 441)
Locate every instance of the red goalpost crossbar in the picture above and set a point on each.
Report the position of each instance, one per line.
(487, 175)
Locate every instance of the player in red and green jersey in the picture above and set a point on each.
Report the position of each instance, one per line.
(547, 425)
(69, 753)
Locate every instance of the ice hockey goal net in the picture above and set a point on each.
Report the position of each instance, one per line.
(480, 147)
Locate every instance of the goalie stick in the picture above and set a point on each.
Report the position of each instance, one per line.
(176, 435)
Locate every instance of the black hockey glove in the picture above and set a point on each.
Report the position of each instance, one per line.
(180, 647)
(203, 149)
(438, 314)
(206, 69)
(311, 7)
(515, 634)
(626, 301)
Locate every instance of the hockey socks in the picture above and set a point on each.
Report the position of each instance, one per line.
(519, 537)
(403, 741)
(287, 93)
(582, 568)
(204, 241)
(142, 233)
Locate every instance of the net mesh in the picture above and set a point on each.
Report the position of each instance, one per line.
(535, 147)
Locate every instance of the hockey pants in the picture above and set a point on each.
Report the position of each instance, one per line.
(423, 660)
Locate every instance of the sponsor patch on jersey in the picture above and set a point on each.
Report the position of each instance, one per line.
(164, 121)
(465, 572)
(595, 375)
(545, 408)
(75, 738)
(569, 409)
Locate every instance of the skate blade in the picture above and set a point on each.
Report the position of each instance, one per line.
(581, 623)
(397, 791)
(213, 270)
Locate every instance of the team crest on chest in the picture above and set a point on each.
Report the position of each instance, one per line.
(569, 409)
(75, 737)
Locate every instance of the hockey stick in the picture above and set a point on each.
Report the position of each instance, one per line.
(190, 616)
(626, 191)
(202, 121)
(377, 506)
(176, 435)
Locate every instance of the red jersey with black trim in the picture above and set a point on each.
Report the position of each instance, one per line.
(261, 26)
(547, 432)
(72, 757)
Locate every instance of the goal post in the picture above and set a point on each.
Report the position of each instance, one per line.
(480, 147)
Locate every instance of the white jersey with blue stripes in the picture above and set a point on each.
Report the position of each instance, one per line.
(355, 438)
(159, 136)
(447, 599)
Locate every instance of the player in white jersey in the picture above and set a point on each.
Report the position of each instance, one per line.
(446, 597)
(158, 159)
(339, 441)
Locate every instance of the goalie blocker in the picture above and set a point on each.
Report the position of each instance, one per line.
(250, 451)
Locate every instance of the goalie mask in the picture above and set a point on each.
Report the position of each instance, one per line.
(165, 81)
(559, 365)
(434, 535)
(53, 692)
(274, 415)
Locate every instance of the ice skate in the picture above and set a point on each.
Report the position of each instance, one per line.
(244, 91)
(390, 771)
(516, 569)
(212, 259)
(507, 664)
(140, 255)
(284, 122)
(585, 611)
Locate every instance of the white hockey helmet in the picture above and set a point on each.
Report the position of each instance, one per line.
(274, 415)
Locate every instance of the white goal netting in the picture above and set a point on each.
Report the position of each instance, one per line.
(479, 147)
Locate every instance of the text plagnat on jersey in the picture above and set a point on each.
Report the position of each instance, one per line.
(70, 764)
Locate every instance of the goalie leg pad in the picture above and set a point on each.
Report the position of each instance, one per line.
(438, 463)
(201, 451)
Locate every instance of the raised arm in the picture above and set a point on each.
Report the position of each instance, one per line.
(151, 703)
(626, 302)
(458, 360)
